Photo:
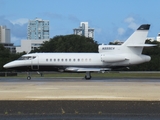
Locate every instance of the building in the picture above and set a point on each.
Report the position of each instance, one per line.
(151, 38)
(84, 30)
(117, 42)
(38, 29)
(4, 35)
(28, 45)
(158, 37)
(37, 33)
(10, 46)
(5, 39)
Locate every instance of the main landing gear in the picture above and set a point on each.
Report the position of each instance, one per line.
(88, 75)
(28, 77)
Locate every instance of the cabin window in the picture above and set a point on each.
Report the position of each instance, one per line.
(74, 59)
(58, 59)
(86, 59)
(82, 59)
(54, 59)
(65, 59)
(50, 59)
(46, 59)
(69, 59)
(78, 60)
(90, 59)
(61, 59)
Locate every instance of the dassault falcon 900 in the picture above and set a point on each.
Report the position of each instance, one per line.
(108, 58)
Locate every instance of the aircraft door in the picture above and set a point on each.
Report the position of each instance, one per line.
(35, 63)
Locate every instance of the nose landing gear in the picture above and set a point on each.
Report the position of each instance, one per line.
(28, 77)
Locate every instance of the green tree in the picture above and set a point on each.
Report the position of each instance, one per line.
(6, 56)
(69, 43)
(154, 53)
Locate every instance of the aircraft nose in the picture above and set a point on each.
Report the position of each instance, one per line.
(6, 66)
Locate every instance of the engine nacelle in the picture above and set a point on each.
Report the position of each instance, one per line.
(112, 58)
(137, 59)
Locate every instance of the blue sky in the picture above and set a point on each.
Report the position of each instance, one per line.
(111, 19)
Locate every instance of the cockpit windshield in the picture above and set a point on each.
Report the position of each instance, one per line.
(27, 57)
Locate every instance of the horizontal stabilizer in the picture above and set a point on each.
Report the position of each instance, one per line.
(142, 45)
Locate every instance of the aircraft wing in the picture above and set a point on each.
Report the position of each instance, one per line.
(79, 69)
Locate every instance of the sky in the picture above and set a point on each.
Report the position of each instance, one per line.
(111, 19)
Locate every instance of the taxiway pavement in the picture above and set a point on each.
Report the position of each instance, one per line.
(79, 89)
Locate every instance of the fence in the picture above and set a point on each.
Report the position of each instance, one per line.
(3, 74)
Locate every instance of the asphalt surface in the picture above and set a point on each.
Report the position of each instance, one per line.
(79, 89)
(78, 99)
(79, 110)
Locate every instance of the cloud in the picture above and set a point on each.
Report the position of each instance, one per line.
(16, 40)
(121, 31)
(20, 21)
(131, 23)
(133, 26)
(18, 28)
(129, 20)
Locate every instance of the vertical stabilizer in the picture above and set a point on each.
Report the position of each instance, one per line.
(134, 44)
(138, 37)
(136, 41)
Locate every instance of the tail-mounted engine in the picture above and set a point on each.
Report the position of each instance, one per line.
(112, 58)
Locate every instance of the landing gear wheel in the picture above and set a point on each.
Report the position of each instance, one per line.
(28, 77)
(87, 77)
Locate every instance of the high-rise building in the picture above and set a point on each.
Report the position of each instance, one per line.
(38, 32)
(38, 29)
(4, 35)
(84, 30)
(5, 39)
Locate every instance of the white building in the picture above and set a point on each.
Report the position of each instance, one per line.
(28, 45)
(158, 37)
(4, 35)
(151, 38)
(38, 29)
(5, 39)
(37, 33)
(84, 30)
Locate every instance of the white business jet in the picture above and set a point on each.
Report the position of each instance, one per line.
(108, 58)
